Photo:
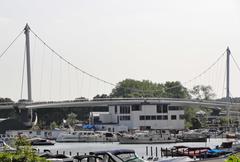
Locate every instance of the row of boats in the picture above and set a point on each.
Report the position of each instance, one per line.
(174, 154)
(120, 155)
(137, 137)
(201, 152)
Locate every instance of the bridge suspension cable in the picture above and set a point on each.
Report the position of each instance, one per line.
(235, 62)
(23, 72)
(4, 52)
(186, 82)
(127, 88)
(207, 69)
(68, 62)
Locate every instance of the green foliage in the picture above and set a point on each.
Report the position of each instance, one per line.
(6, 157)
(101, 96)
(175, 90)
(24, 153)
(223, 121)
(21, 141)
(202, 92)
(72, 119)
(134, 88)
(146, 88)
(233, 158)
(189, 114)
(20, 157)
(196, 124)
(5, 100)
(188, 124)
(53, 125)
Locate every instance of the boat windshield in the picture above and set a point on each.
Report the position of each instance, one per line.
(129, 157)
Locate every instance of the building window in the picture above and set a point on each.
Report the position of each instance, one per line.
(148, 117)
(136, 108)
(174, 108)
(124, 109)
(159, 117)
(124, 117)
(115, 109)
(153, 117)
(165, 108)
(141, 117)
(159, 108)
(38, 132)
(173, 117)
(162, 108)
(181, 117)
(96, 120)
(165, 117)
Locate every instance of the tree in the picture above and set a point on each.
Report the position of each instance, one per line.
(5, 100)
(223, 121)
(189, 114)
(202, 92)
(24, 153)
(196, 124)
(53, 125)
(101, 96)
(175, 90)
(146, 88)
(72, 119)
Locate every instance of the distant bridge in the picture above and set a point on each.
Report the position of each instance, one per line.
(24, 108)
(104, 102)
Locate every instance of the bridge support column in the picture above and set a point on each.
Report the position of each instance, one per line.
(228, 83)
(26, 117)
(27, 29)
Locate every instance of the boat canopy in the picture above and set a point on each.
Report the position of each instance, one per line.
(89, 126)
(216, 151)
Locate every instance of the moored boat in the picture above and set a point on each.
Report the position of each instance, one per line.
(6, 147)
(120, 155)
(193, 136)
(185, 151)
(40, 141)
(57, 157)
(147, 137)
(87, 136)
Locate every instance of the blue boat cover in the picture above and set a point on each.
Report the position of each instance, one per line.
(88, 126)
(215, 151)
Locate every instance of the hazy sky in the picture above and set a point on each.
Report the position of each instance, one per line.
(157, 40)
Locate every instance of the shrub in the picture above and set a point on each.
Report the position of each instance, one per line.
(24, 153)
(234, 158)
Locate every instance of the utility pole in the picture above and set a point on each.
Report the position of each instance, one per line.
(26, 32)
(228, 83)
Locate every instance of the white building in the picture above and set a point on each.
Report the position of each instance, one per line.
(103, 121)
(143, 116)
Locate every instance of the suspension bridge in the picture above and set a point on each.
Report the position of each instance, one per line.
(65, 80)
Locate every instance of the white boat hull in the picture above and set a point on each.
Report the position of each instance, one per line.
(126, 140)
(85, 138)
